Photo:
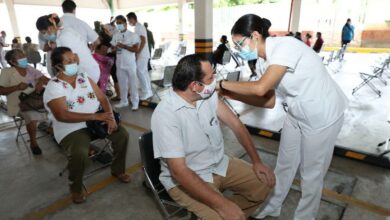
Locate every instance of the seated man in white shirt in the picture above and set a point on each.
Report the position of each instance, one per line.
(187, 138)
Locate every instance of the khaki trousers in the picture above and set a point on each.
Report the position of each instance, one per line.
(248, 191)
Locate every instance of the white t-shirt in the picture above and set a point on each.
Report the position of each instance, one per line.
(67, 37)
(69, 20)
(81, 99)
(125, 58)
(141, 31)
(313, 97)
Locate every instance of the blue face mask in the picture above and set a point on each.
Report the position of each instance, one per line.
(120, 27)
(247, 54)
(71, 69)
(51, 37)
(23, 63)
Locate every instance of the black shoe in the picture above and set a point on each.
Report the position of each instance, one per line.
(36, 150)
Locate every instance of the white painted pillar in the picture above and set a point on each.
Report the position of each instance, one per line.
(180, 8)
(296, 15)
(12, 17)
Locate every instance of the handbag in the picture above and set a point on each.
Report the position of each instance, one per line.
(31, 102)
(98, 128)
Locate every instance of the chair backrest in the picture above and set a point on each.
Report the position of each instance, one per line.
(183, 51)
(168, 75)
(157, 54)
(151, 165)
(226, 57)
(233, 76)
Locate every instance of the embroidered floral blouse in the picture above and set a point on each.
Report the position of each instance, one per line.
(81, 99)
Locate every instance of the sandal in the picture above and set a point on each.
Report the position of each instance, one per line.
(123, 177)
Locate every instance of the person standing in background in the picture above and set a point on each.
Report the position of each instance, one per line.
(2, 51)
(307, 39)
(31, 51)
(142, 56)
(319, 42)
(348, 33)
(150, 43)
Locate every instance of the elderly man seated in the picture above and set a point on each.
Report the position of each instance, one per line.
(15, 79)
(187, 138)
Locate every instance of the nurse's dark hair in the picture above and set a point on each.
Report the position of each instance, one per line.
(249, 23)
(68, 6)
(44, 22)
(131, 15)
(188, 69)
(57, 56)
(10, 56)
(121, 18)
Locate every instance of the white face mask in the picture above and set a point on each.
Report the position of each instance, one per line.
(208, 90)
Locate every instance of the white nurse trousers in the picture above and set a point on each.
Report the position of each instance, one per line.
(311, 151)
(127, 78)
(143, 77)
(2, 58)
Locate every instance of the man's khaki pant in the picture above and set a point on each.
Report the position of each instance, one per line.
(248, 191)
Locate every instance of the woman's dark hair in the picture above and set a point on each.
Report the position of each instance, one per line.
(188, 69)
(11, 55)
(68, 6)
(131, 15)
(103, 43)
(43, 22)
(224, 39)
(28, 39)
(249, 23)
(57, 56)
(15, 40)
(121, 17)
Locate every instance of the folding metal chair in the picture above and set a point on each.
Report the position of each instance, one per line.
(165, 82)
(94, 157)
(377, 74)
(225, 60)
(19, 122)
(152, 169)
(157, 54)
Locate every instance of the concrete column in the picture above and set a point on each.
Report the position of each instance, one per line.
(115, 6)
(204, 27)
(181, 4)
(12, 17)
(296, 15)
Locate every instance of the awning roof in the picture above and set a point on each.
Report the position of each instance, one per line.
(122, 4)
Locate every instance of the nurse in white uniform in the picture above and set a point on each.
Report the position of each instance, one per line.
(126, 44)
(143, 56)
(50, 27)
(315, 114)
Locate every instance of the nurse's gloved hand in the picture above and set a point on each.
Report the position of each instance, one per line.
(265, 174)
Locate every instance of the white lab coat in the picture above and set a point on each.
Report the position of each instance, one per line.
(142, 63)
(69, 20)
(126, 66)
(67, 37)
(316, 107)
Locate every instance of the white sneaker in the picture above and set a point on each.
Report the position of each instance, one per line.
(121, 105)
(266, 213)
(147, 96)
(134, 108)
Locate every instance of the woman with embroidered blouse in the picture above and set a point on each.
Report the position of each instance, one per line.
(72, 99)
